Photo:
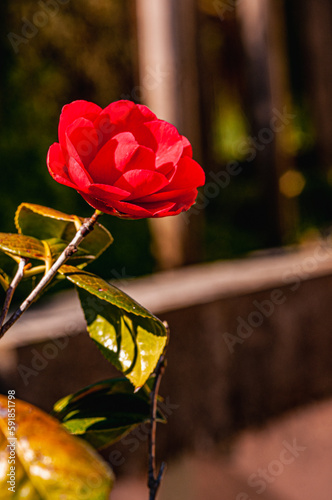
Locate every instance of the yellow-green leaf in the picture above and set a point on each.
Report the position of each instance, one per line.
(22, 246)
(104, 412)
(57, 246)
(50, 464)
(128, 335)
(45, 223)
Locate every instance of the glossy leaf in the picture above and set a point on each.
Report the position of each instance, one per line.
(104, 412)
(103, 290)
(45, 223)
(128, 335)
(22, 246)
(57, 246)
(50, 464)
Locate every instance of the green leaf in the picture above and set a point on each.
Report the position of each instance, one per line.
(57, 246)
(22, 246)
(128, 335)
(50, 464)
(45, 223)
(104, 412)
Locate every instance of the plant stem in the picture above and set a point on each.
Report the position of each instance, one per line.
(83, 231)
(11, 289)
(154, 479)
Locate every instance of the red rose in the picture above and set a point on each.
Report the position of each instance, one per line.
(124, 161)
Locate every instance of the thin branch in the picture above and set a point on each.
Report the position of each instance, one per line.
(83, 231)
(154, 479)
(11, 289)
(29, 272)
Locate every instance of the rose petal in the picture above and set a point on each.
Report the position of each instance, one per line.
(103, 191)
(124, 111)
(101, 167)
(186, 201)
(124, 161)
(141, 183)
(98, 204)
(158, 208)
(131, 209)
(75, 110)
(144, 137)
(178, 205)
(168, 140)
(174, 195)
(176, 208)
(112, 159)
(146, 112)
(114, 119)
(116, 158)
(105, 128)
(126, 149)
(125, 117)
(119, 208)
(167, 169)
(140, 211)
(57, 167)
(119, 111)
(188, 175)
(187, 149)
(143, 210)
(78, 175)
(141, 159)
(82, 141)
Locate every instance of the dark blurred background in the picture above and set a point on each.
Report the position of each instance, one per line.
(261, 74)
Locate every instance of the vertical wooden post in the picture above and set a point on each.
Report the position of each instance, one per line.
(263, 34)
(282, 102)
(168, 78)
(317, 33)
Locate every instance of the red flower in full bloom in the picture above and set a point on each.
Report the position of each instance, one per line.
(124, 161)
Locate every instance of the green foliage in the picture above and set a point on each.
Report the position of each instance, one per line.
(22, 246)
(128, 335)
(51, 464)
(60, 228)
(43, 234)
(104, 412)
